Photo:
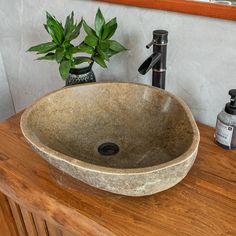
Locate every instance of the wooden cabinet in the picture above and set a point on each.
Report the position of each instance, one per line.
(7, 222)
(33, 203)
(16, 220)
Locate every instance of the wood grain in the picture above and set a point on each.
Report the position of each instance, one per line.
(29, 222)
(53, 231)
(18, 219)
(204, 203)
(7, 223)
(40, 225)
(184, 6)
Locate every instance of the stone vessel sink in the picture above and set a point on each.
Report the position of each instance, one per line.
(125, 138)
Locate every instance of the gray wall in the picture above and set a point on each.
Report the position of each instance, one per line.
(6, 103)
(201, 51)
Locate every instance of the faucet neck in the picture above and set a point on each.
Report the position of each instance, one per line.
(157, 61)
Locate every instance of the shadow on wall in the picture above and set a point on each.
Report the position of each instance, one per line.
(6, 103)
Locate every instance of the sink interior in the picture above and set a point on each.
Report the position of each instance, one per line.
(118, 125)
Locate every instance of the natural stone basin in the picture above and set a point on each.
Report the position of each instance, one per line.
(125, 138)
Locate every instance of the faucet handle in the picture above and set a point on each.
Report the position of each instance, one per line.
(150, 44)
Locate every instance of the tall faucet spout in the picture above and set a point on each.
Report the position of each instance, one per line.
(149, 63)
(157, 61)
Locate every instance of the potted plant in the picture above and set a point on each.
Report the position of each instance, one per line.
(96, 47)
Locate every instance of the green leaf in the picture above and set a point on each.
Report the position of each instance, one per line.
(117, 47)
(104, 44)
(64, 69)
(68, 52)
(59, 54)
(72, 50)
(100, 61)
(88, 29)
(43, 48)
(99, 23)
(109, 29)
(55, 29)
(91, 40)
(80, 60)
(67, 44)
(50, 56)
(75, 31)
(110, 53)
(85, 48)
(69, 24)
(69, 56)
(46, 28)
(102, 54)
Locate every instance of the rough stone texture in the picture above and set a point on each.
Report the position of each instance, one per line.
(155, 131)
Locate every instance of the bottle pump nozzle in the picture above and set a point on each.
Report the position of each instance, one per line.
(230, 107)
(232, 93)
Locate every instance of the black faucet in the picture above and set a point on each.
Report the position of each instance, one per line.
(157, 61)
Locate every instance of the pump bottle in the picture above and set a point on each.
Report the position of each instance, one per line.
(225, 134)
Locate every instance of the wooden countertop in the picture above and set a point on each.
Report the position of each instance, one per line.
(204, 203)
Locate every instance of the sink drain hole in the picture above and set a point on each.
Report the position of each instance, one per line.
(108, 149)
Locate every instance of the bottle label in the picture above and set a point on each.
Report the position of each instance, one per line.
(224, 133)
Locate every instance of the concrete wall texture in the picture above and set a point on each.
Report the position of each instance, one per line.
(201, 64)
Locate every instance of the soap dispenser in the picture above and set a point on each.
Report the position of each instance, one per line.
(225, 134)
